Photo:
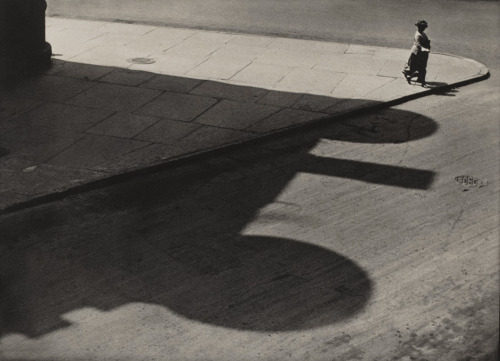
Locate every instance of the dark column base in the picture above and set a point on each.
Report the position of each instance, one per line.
(18, 63)
(23, 49)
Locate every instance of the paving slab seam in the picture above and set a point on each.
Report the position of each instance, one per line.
(195, 156)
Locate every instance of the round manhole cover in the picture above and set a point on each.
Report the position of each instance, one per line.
(141, 60)
(470, 181)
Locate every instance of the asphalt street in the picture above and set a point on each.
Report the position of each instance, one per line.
(352, 240)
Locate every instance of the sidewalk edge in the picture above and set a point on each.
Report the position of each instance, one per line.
(483, 74)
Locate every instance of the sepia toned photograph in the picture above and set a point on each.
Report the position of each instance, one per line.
(249, 180)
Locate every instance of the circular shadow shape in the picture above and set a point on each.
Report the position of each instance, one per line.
(385, 126)
(268, 284)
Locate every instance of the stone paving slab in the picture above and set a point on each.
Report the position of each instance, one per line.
(96, 114)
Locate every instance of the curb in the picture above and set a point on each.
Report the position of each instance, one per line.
(483, 74)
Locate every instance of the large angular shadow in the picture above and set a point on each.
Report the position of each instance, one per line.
(174, 238)
(76, 80)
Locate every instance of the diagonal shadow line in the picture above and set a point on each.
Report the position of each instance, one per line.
(215, 135)
(370, 172)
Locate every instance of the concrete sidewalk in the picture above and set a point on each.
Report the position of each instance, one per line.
(122, 97)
